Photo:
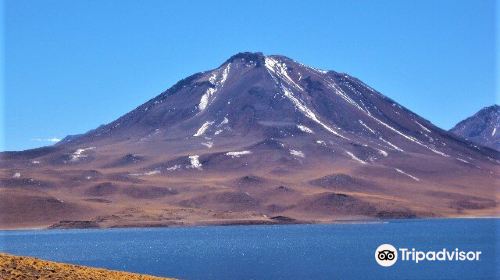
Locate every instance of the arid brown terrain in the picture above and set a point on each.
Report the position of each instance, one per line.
(259, 140)
(27, 268)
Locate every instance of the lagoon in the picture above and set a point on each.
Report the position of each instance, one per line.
(334, 251)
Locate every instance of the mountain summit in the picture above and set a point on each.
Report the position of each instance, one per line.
(259, 137)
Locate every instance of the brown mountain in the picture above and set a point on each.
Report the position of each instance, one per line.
(260, 139)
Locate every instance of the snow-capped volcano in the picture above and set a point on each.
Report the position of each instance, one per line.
(269, 120)
(274, 97)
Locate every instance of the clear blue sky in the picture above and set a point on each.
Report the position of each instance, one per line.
(70, 66)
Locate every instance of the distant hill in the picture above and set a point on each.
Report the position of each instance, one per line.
(482, 128)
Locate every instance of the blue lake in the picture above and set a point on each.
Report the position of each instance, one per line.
(337, 251)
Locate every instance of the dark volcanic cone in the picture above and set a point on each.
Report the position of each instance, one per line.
(271, 118)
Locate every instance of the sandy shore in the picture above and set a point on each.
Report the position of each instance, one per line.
(27, 268)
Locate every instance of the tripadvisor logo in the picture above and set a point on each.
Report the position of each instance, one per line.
(386, 255)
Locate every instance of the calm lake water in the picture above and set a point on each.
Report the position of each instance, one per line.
(340, 251)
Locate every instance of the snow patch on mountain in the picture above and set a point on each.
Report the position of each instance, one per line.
(423, 127)
(312, 68)
(308, 112)
(223, 122)
(238, 154)
(409, 175)
(367, 127)
(382, 152)
(321, 142)
(392, 145)
(146, 173)
(217, 79)
(280, 70)
(208, 144)
(195, 162)
(304, 128)
(462, 160)
(80, 153)
(343, 95)
(218, 132)
(297, 153)
(203, 129)
(175, 167)
(356, 158)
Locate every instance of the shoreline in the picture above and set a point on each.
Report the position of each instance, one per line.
(243, 223)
